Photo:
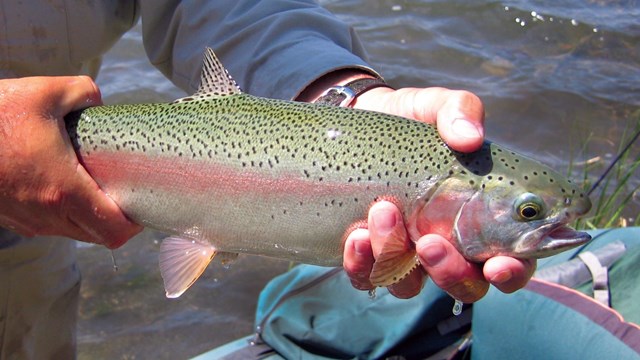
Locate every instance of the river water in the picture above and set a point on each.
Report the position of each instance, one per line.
(553, 75)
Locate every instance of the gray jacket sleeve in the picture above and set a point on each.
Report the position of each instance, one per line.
(272, 48)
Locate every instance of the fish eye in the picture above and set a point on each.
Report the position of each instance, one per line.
(528, 207)
(529, 211)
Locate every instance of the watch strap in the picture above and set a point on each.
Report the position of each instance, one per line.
(345, 95)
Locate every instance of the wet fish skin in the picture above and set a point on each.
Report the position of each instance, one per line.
(224, 171)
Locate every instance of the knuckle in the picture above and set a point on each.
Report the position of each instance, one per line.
(57, 203)
(465, 95)
(467, 99)
(446, 281)
(54, 198)
(92, 91)
(85, 78)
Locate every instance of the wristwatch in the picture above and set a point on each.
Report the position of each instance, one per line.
(345, 95)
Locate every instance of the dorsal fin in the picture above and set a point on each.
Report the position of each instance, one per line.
(215, 80)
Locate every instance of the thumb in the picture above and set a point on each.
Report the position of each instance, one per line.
(460, 120)
(458, 114)
(71, 93)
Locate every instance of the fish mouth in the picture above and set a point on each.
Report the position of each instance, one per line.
(555, 239)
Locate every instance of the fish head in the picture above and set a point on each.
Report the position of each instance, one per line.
(497, 202)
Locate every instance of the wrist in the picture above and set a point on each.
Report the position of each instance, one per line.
(333, 81)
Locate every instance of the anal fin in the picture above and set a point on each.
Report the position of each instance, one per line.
(182, 261)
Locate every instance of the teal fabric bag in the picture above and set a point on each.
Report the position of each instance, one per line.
(314, 313)
(550, 321)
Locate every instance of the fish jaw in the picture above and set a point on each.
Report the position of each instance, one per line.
(549, 240)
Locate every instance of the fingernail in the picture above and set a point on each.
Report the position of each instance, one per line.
(502, 277)
(384, 221)
(465, 128)
(433, 254)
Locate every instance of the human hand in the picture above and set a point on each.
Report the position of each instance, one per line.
(44, 190)
(459, 116)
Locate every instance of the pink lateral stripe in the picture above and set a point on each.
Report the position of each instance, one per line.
(182, 174)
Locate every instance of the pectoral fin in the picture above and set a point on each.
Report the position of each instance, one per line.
(394, 263)
(182, 261)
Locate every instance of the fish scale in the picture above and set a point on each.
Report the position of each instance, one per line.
(224, 171)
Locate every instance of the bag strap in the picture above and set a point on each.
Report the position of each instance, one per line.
(589, 265)
(600, 276)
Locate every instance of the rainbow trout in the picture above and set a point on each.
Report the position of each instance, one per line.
(226, 172)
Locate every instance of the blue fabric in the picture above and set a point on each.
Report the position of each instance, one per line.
(332, 320)
(313, 313)
(528, 325)
(553, 322)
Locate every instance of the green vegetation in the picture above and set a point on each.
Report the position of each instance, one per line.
(612, 199)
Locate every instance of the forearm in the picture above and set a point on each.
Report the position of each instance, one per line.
(272, 48)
